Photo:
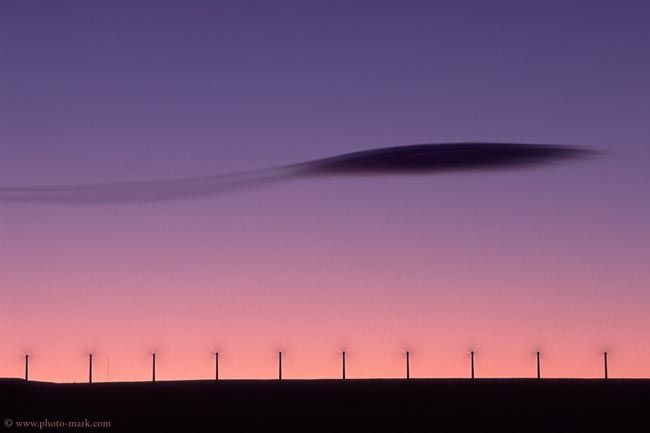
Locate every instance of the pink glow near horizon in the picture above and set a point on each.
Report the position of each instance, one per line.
(190, 313)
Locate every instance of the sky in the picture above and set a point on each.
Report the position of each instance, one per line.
(551, 258)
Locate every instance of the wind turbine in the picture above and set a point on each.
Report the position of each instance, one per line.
(539, 369)
(26, 367)
(343, 364)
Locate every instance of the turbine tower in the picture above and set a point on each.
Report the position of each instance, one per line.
(26, 367)
(539, 369)
(216, 365)
(472, 363)
(153, 367)
(343, 364)
(605, 365)
(280, 365)
(408, 364)
(90, 367)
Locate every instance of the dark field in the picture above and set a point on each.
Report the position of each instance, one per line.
(432, 405)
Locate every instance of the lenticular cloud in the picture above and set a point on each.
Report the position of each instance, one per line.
(421, 159)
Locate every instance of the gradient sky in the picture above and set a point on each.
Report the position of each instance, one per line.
(552, 258)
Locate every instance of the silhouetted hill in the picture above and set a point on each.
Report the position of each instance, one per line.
(433, 405)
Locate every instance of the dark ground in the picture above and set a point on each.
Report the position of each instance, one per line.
(432, 405)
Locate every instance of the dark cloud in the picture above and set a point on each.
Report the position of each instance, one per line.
(415, 159)
(431, 158)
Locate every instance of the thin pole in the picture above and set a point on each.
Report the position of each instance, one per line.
(343, 363)
(539, 370)
(408, 364)
(472, 362)
(26, 367)
(605, 364)
(153, 364)
(279, 365)
(90, 368)
(216, 366)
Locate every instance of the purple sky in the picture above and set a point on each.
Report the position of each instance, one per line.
(126, 90)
